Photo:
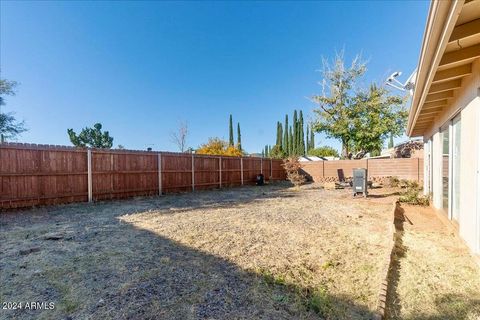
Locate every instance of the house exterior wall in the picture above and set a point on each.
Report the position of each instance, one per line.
(466, 103)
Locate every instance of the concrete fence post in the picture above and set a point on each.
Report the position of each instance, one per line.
(159, 174)
(241, 169)
(220, 171)
(193, 172)
(89, 175)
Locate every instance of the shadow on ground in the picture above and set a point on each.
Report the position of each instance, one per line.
(103, 268)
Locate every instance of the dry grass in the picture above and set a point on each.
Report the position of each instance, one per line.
(436, 278)
(253, 252)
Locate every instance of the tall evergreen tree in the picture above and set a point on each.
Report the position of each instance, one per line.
(231, 142)
(390, 142)
(277, 141)
(269, 150)
(301, 131)
(286, 146)
(295, 134)
(239, 137)
(290, 141)
(280, 135)
(312, 139)
(308, 141)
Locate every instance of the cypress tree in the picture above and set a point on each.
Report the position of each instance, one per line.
(280, 135)
(263, 153)
(230, 131)
(295, 134)
(269, 150)
(301, 135)
(390, 142)
(312, 139)
(285, 137)
(239, 137)
(266, 151)
(308, 141)
(290, 141)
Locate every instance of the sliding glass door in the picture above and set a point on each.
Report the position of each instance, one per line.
(445, 137)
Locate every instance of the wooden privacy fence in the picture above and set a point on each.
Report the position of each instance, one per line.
(41, 174)
(378, 169)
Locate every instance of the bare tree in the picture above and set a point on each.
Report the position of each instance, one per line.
(179, 137)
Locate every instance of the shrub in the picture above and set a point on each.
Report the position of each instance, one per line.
(324, 151)
(393, 182)
(292, 167)
(217, 146)
(412, 195)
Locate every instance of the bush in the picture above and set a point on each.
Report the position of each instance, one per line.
(412, 195)
(393, 182)
(325, 151)
(292, 167)
(217, 146)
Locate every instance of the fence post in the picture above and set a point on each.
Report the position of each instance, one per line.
(159, 174)
(261, 165)
(89, 175)
(241, 169)
(220, 171)
(193, 172)
(271, 169)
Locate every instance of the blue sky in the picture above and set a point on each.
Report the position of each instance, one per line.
(140, 67)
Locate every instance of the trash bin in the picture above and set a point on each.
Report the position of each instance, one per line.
(360, 181)
(260, 180)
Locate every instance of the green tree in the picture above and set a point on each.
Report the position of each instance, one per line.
(301, 134)
(379, 115)
(231, 142)
(10, 128)
(336, 103)
(239, 137)
(324, 151)
(308, 140)
(277, 152)
(91, 137)
(312, 139)
(390, 142)
(286, 146)
(360, 119)
(290, 141)
(295, 134)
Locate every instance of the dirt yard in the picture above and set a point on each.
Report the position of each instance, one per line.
(255, 252)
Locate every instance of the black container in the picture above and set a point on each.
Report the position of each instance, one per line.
(260, 180)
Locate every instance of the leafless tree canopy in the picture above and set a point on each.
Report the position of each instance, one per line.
(179, 137)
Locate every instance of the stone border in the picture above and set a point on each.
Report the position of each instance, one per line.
(382, 293)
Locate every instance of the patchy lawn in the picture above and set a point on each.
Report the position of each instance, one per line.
(435, 277)
(252, 252)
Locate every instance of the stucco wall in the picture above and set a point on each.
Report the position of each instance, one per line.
(466, 102)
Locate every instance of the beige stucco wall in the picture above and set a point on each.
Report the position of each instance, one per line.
(466, 102)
